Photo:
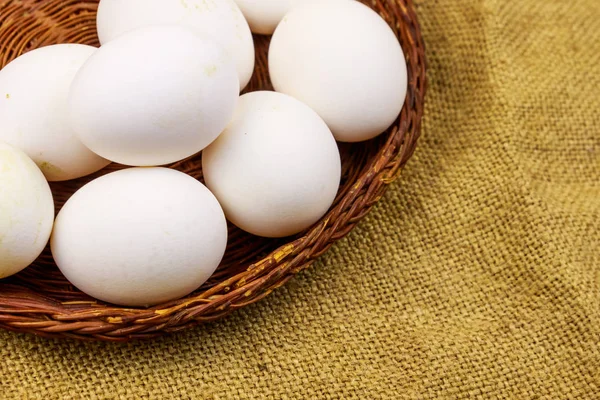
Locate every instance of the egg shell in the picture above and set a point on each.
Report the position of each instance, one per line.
(222, 19)
(264, 15)
(276, 168)
(140, 236)
(153, 96)
(26, 211)
(33, 110)
(344, 61)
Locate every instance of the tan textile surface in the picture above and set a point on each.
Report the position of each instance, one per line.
(477, 276)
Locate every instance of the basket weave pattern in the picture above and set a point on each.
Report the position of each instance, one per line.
(40, 300)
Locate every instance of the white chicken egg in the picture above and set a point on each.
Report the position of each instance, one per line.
(140, 236)
(26, 211)
(222, 19)
(344, 61)
(154, 95)
(264, 15)
(33, 110)
(276, 167)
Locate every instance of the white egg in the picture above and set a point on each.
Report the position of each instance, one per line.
(33, 110)
(140, 236)
(222, 19)
(264, 15)
(276, 168)
(26, 211)
(153, 96)
(344, 61)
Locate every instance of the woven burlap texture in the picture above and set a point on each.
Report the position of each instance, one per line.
(476, 276)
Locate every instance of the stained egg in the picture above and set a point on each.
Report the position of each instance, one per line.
(26, 211)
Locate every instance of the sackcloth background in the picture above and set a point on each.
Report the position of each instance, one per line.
(476, 277)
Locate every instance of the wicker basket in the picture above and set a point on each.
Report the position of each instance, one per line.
(39, 300)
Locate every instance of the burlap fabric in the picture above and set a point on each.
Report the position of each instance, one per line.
(477, 276)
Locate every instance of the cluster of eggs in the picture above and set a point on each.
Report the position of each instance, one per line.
(165, 85)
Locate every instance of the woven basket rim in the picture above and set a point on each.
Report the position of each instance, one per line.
(24, 309)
